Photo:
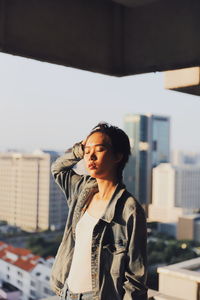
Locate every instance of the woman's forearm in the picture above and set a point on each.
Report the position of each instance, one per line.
(68, 160)
(63, 173)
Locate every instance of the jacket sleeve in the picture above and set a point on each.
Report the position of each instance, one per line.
(136, 264)
(63, 173)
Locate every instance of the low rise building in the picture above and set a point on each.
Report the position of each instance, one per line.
(25, 271)
(188, 227)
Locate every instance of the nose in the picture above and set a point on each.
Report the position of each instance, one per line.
(92, 156)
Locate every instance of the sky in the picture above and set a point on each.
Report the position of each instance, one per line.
(46, 106)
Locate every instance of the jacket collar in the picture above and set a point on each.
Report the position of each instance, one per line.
(110, 208)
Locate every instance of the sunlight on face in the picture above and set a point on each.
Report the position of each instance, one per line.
(99, 158)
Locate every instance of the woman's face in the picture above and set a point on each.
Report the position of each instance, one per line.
(98, 156)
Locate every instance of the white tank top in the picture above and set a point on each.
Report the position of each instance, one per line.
(79, 279)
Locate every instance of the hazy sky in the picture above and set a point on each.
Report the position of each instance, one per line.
(51, 107)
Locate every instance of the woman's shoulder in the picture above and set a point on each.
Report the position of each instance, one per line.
(86, 182)
(131, 204)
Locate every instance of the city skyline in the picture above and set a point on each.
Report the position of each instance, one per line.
(52, 107)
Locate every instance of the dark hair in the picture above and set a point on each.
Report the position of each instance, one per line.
(119, 141)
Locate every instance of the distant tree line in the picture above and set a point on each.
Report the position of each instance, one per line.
(43, 247)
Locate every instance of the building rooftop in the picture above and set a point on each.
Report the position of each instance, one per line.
(191, 216)
(18, 251)
(21, 257)
(24, 264)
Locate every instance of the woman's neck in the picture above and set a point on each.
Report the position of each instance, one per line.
(106, 189)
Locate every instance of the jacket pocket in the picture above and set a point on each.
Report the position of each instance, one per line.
(114, 249)
(114, 255)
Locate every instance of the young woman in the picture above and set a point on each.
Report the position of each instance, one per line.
(102, 255)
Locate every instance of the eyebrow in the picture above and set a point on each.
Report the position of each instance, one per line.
(104, 145)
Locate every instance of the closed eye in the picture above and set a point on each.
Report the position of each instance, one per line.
(100, 149)
(86, 151)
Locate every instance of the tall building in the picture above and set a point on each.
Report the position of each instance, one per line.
(175, 191)
(29, 197)
(149, 137)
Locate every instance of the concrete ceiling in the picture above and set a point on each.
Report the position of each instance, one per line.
(133, 3)
(114, 37)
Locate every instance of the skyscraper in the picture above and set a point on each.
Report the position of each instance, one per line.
(149, 138)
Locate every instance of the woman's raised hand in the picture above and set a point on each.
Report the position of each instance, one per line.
(84, 142)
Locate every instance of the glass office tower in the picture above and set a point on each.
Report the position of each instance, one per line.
(149, 139)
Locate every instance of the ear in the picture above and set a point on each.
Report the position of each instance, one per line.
(118, 157)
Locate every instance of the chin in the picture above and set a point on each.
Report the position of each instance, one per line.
(97, 176)
(93, 174)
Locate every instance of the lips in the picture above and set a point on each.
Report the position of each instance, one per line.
(92, 166)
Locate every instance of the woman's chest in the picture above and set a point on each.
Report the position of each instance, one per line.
(96, 208)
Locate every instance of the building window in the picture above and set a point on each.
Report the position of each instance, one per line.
(32, 283)
(38, 274)
(32, 293)
(20, 274)
(8, 277)
(8, 268)
(47, 278)
(154, 145)
(48, 291)
(19, 282)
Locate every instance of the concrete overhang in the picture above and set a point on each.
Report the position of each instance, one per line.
(114, 37)
(184, 80)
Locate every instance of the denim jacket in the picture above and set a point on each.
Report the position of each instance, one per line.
(118, 250)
